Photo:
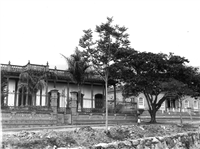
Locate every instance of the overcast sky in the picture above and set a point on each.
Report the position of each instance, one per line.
(39, 30)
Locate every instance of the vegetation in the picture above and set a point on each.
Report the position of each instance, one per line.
(157, 75)
(78, 69)
(105, 51)
(32, 81)
(140, 72)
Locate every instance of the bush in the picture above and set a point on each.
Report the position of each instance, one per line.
(119, 108)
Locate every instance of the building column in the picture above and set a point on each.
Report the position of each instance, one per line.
(34, 96)
(26, 98)
(40, 97)
(22, 100)
(74, 103)
(7, 91)
(17, 98)
(46, 97)
(171, 104)
(92, 99)
(54, 102)
(16, 93)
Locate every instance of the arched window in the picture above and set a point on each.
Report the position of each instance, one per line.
(140, 102)
(186, 103)
(195, 104)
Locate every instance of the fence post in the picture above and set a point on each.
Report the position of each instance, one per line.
(54, 97)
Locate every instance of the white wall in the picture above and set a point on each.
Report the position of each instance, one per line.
(11, 90)
(62, 89)
(86, 90)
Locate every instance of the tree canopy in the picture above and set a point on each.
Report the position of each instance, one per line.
(153, 74)
(32, 81)
(79, 69)
(108, 48)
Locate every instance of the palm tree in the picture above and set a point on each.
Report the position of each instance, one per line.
(78, 69)
(32, 83)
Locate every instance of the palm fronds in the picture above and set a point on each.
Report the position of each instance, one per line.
(78, 67)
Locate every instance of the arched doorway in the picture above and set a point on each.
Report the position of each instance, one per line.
(99, 102)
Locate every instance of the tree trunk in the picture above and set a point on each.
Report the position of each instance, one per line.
(79, 98)
(153, 115)
(34, 99)
(181, 106)
(106, 86)
(2, 101)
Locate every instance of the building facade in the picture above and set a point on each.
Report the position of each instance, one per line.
(92, 90)
(169, 105)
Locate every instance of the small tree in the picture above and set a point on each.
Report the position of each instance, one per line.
(78, 69)
(181, 91)
(104, 52)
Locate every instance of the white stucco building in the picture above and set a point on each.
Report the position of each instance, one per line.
(92, 89)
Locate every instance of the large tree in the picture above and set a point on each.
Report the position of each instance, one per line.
(155, 74)
(78, 69)
(110, 44)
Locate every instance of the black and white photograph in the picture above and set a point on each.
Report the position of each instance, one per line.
(100, 74)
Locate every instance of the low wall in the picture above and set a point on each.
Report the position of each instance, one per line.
(94, 118)
(63, 119)
(189, 140)
(18, 119)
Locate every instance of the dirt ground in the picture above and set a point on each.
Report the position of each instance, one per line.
(88, 136)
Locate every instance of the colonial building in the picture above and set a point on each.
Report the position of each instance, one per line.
(170, 105)
(92, 89)
(57, 102)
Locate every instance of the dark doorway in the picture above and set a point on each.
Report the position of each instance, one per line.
(58, 100)
(99, 101)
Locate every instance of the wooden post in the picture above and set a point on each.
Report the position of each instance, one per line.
(40, 97)
(67, 94)
(115, 98)
(92, 92)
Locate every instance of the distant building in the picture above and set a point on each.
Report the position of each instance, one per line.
(169, 105)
